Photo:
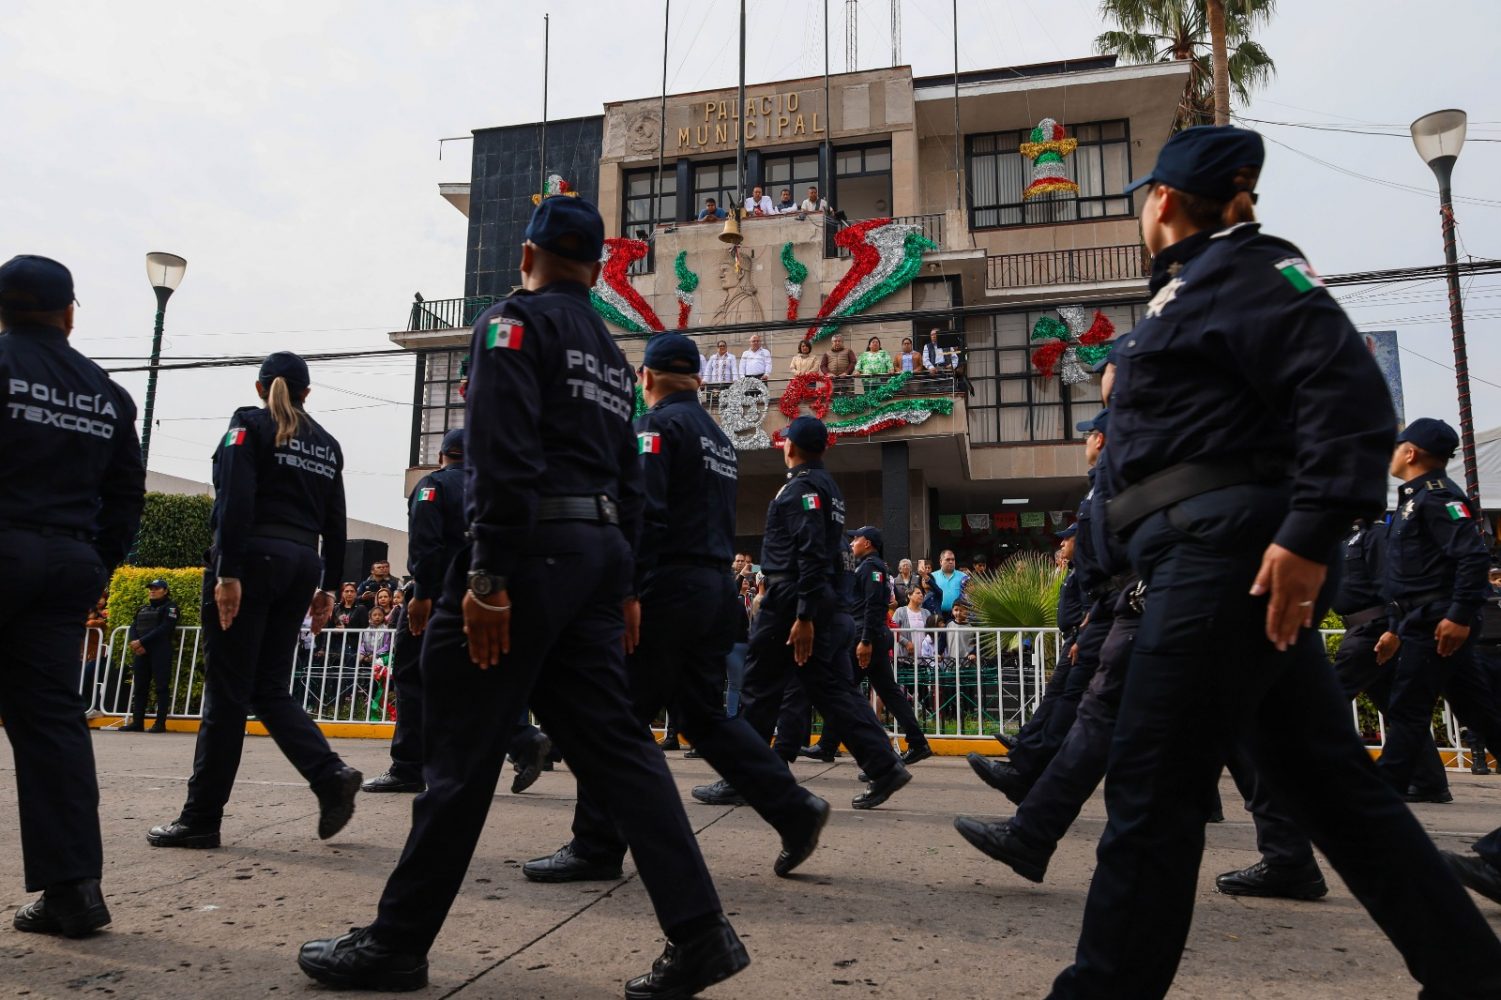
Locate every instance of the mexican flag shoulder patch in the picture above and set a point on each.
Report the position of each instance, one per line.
(236, 436)
(876, 576)
(505, 333)
(811, 501)
(1457, 511)
(1299, 274)
(426, 494)
(648, 443)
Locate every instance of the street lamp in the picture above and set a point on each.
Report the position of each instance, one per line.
(1439, 136)
(165, 271)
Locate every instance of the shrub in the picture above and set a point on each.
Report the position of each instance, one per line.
(174, 531)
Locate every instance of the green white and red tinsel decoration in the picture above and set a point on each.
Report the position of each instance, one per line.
(797, 273)
(902, 413)
(612, 295)
(687, 283)
(1070, 344)
(886, 256)
(870, 413)
(1046, 151)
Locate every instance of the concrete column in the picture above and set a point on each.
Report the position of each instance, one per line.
(895, 512)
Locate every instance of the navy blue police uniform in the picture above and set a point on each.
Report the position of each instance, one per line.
(553, 499)
(272, 503)
(71, 491)
(1245, 413)
(153, 626)
(688, 607)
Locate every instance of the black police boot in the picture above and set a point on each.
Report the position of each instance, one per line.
(393, 781)
(688, 967)
(917, 752)
(721, 793)
(357, 961)
(882, 788)
(336, 801)
(800, 838)
(693, 753)
(1479, 764)
(529, 770)
(1274, 881)
(1475, 873)
(565, 866)
(73, 910)
(819, 752)
(669, 741)
(1001, 775)
(135, 725)
(1000, 841)
(1005, 741)
(1436, 796)
(179, 834)
(159, 727)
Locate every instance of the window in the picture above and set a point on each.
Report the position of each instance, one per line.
(440, 407)
(714, 180)
(998, 174)
(863, 187)
(637, 219)
(796, 172)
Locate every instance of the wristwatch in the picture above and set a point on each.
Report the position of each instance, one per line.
(483, 583)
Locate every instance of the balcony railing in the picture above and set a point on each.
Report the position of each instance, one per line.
(448, 314)
(1067, 267)
(931, 226)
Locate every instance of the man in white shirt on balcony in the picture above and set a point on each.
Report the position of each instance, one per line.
(759, 203)
(937, 359)
(756, 362)
(721, 369)
(813, 203)
(786, 206)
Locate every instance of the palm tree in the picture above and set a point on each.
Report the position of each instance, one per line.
(1167, 30)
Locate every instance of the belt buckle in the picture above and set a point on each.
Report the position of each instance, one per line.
(607, 509)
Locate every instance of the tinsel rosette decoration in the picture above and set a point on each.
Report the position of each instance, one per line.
(797, 273)
(881, 394)
(1046, 151)
(612, 295)
(813, 388)
(742, 407)
(1071, 344)
(555, 186)
(901, 413)
(885, 257)
(687, 284)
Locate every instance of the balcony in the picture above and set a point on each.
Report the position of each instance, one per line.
(447, 314)
(1089, 266)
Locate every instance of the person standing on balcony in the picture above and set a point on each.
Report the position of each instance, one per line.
(278, 487)
(786, 206)
(722, 369)
(875, 361)
(756, 361)
(937, 359)
(813, 203)
(804, 362)
(839, 361)
(711, 211)
(68, 437)
(759, 203)
(151, 641)
(909, 360)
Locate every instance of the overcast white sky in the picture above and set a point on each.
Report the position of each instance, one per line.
(289, 152)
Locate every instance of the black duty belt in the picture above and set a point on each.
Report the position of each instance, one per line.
(1365, 617)
(703, 562)
(1407, 605)
(1189, 479)
(286, 533)
(47, 530)
(598, 509)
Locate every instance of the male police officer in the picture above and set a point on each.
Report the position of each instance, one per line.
(688, 603)
(554, 505)
(67, 433)
(151, 641)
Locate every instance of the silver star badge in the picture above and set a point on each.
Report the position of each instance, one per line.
(1408, 508)
(1164, 295)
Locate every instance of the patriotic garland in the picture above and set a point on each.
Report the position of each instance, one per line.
(613, 297)
(687, 282)
(797, 273)
(813, 388)
(886, 256)
(1046, 151)
(902, 413)
(1071, 343)
(851, 405)
(641, 406)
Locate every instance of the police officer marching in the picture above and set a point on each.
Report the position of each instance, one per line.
(278, 487)
(56, 404)
(537, 610)
(1250, 427)
(151, 641)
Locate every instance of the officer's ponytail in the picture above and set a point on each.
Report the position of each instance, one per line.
(1210, 213)
(286, 411)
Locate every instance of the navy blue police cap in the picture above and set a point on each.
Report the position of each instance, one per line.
(35, 284)
(285, 364)
(1068, 533)
(1432, 435)
(809, 434)
(568, 227)
(1203, 160)
(453, 443)
(1098, 422)
(158, 582)
(871, 534)
(671, 352)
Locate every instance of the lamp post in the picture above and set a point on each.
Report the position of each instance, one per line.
(1439, 136)
(165, 271)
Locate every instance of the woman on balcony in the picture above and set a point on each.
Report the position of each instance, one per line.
(908, 361)
(804, 361)
(874, 362)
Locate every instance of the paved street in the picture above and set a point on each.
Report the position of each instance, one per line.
(893, 904)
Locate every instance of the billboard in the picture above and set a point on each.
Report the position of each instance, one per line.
(1383, 347)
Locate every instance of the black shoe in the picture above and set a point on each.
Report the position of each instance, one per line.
(1218, 816)
(132, 727)
(1440, 797)
(721, 793)
(1475, 873)
(688, 967)
(391, 781)
(999, 841)
(692, 754)
(1480, 765)
(179, 834)
(1005, 741)
(565, 866)
(531, 769)
(160, 727)
(670, 742)
(1001, 775)
(916, 752)
(72, 910)
(817, 752)
(336, 801)
(357, 961)
(882, 788)
(1262, 879)
(800, 840)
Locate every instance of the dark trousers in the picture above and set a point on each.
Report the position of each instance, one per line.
(1420, 678)
(406, 677)
(155, 665)
(794, 725)
(686, 630)
(566, 658)
(48, 587)
(1040, 739)
(881, 674)
(1489, 848)
(825, 677)
(249, 670)
(1202, 676)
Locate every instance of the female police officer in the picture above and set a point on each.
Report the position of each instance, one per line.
(278, 482)
(1248, 427)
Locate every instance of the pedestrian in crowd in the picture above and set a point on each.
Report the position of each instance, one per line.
(903, 581)
(391, 607)
(735, 661)
(380, 578)
(278, 489)
(950, 583)
(93, 646)
(538, 612)
(349, 613)
(755, 362)
(1232, 495)
(375, 641)
(150, 640)
(804, 362)
(59, 556)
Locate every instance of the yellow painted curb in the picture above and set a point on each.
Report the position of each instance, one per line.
(333, 730)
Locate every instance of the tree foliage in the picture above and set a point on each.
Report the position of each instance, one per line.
(174, 531)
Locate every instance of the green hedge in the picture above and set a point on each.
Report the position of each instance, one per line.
(174, 530)
(127, 593)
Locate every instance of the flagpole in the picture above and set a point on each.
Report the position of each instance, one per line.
(656, 183)
(542, 152)
(740, 148)
(958, 136)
